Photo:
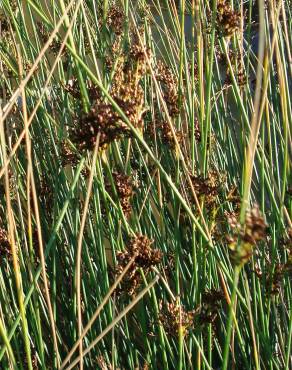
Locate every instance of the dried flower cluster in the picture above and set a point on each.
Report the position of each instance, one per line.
(169, 86)
(4, 26)
(139, 247)
(207, 188)
(5, 249)
(227, 19)
(167, 136)
(174, 318)
(55, 45)
(103, 119)
(197, 130)
(73, 88)
(238, 68)
(67, 156)
(115, 19)
(272, 276)
(249, 235)
(124, 189)
(274, 280)
(211, 303)
(286, 241)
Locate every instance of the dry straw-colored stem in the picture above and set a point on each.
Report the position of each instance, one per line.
(114, 322)
(98, 310)
(79, 246)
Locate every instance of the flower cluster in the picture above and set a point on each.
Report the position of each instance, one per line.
(238, 68)
(139, 247)
(103, 118)
(227, 19)
(167, 136)
(169, 86)
(174, 318)
(124, 189)
(250, 234)
(207, 188)
(55, 45)
(115, 19)
(5, 249)
(73, 88)
(4, 27)
(211, 303)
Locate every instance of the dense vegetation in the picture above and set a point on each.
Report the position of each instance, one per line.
(145, 215)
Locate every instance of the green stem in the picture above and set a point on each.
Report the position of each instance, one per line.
(230, 318)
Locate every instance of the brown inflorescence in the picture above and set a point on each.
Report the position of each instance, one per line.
(67, 156)
(124, 189)
(174, 318)
(274, 280)
(211, 303)
(55, 45)
(5, 248)
(73, 88)
(115, 19)
(237, 65)
(197, 130)
(167, 135)
(227, 19)
(103, 118)
(207, 187)
(4, 27)
(169, 87)
(250, 234)
(139, 247)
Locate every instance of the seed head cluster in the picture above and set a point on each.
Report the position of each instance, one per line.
(174, 318)
(211, 303)
(103, 118)
(167, 135)
(4, 26)
(55, 45)
(227, 19)
(139, 247)
(5, 249)
(115, 19)
(169, 86)
(238, 68)
(124, 189)
(250, 234)
(207, 188)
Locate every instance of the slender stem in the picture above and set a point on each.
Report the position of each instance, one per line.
(230, 318)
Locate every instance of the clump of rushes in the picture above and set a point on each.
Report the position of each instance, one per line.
(174, 318)
(249, 235)
(227, 19)
(124, 188)
(139, 247)
(169, 87)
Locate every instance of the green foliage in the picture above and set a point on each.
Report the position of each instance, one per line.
(146, 141)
